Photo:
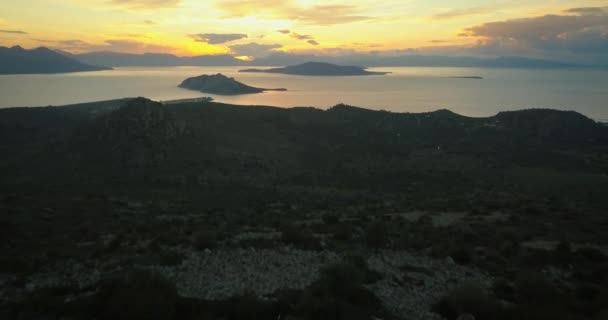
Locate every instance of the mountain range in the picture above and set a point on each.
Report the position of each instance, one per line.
(115, 59)
(16, 60)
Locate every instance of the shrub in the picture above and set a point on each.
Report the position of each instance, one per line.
(300, 238)
(138, 295)
(377, 235)
(343, 232)
(468, 299)
(338, 294)
(331, 218)
(462, 256)
(205, 240)
(171, 258)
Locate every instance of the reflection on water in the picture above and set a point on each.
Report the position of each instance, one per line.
(405, 90)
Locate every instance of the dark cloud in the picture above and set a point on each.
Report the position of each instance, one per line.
(300, 36)
(588, 10)
(254, 49)
(13, 31)
(304, 37)
(580, 34)
(217, 38)
(459, 13)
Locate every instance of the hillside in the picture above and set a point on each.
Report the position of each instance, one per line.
(17, 60)
(343, 147)
(345, 213)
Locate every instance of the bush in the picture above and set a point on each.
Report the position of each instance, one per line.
(205, 240)
(331, 218)
(462, 256)
(171, 258)
(377, 235)
(339, 294)
(343, 232)
(469, 299)
(300, 238)
(138, 295)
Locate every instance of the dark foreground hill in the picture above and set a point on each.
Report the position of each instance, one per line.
(344, 148)
(131, 209)
(17, 60)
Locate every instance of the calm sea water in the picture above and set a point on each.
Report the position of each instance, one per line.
(405, 90)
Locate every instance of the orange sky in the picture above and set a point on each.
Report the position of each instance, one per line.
(255, 27)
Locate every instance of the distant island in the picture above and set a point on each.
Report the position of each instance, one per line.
(222, 85)
(467, 77)
(16, 60)
(319, 69)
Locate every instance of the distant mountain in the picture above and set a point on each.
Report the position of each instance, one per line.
(17, 60)
(116, 59)
(374, 60)
(220, 84)
(318, 69)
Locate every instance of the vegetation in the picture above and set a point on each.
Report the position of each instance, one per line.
(133, 183)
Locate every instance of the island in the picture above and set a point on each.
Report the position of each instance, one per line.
(319, 69)
(17, 60)
(221, 85)
(468, 77)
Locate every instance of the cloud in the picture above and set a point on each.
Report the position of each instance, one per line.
(588, 10)
(13, 31)
(328, 14)
(145, 4)
(254, 49)
(217, 38)
(439, 41)
(288, 9)
(115, 45)
(150, 22)
(300, 36)
(304, 37)
(582, 33)
(459, 13)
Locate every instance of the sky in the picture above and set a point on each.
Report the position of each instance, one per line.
(569, 30)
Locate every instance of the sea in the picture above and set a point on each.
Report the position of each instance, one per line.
(405, 89)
